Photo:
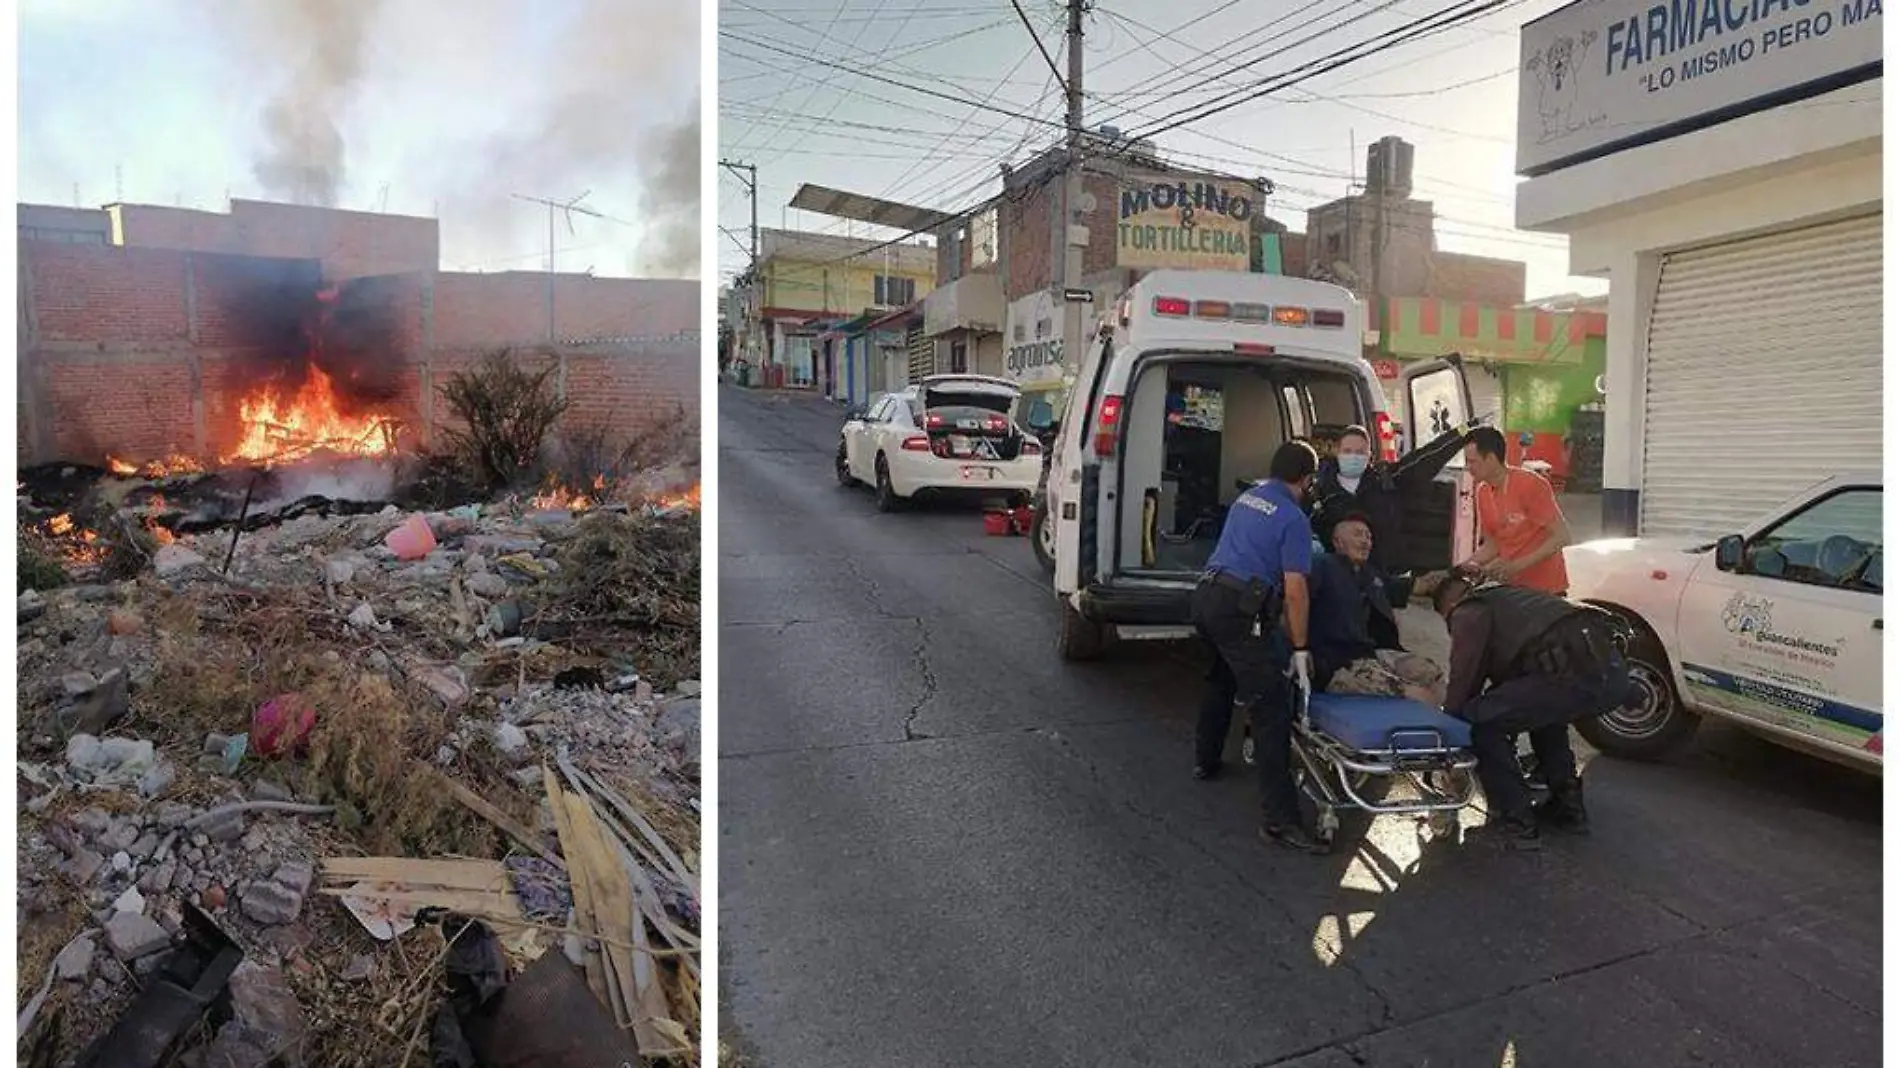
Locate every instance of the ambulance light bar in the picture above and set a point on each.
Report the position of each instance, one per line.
(1221, 310)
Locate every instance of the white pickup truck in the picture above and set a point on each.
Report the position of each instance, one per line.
(1777, 628)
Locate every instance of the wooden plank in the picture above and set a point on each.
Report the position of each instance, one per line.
(481, 807)
(581, 887)
(637, 976)
(497, 908)
(452, 874)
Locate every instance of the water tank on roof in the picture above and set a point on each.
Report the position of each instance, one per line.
(1389, 167)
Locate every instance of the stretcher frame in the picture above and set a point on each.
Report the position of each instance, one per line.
(1334, 775)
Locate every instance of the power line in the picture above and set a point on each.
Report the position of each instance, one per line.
(1443, 19)
(924, 90)
(1040, 47)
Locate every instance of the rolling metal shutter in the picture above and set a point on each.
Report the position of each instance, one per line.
(1763, 374)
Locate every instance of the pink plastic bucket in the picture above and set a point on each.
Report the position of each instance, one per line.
(413, 540)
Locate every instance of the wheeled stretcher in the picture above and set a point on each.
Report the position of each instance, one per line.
(1382, 755)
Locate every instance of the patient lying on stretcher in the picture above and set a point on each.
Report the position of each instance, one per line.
(1354, 629)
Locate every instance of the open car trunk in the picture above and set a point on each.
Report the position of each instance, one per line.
(1200, 430)
(971, 421)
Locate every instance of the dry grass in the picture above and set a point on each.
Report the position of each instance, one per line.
(629, 588)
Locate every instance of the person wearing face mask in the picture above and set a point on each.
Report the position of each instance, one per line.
(1251, 606)
(1351, 482)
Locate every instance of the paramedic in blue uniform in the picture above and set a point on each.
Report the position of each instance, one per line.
(1251, 605)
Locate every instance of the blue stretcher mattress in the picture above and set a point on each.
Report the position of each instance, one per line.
(1368, 722)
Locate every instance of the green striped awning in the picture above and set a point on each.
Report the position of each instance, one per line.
(1426, 327)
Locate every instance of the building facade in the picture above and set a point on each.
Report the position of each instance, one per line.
(1726, 179)
(805, 283)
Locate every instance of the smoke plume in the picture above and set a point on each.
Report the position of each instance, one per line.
(669, 199)
(303, 159)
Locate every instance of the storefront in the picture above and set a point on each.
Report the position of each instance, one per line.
(1532, 373)
(1731, 194)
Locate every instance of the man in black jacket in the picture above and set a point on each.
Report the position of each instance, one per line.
(1548, 662)
(1352, 481)
(1355, 628)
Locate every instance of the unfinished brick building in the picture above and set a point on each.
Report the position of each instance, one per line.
(142, 329)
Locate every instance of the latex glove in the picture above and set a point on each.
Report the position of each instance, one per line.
(1301, 670)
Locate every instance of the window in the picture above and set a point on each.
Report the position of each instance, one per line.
(1332, 244)
(1834, 542)
(959, 357)
(890, 291)
(1296, 412)
(983, 240)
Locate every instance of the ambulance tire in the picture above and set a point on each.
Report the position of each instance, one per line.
(1041, 534)
(1655, 725)
(1078, 638)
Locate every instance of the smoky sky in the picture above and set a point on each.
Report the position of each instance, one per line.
(414, 107)
(304, 154)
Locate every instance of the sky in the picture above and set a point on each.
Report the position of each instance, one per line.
(416, 107)
(1452, 95)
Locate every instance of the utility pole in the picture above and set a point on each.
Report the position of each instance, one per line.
(748, 175)
(567, 208)
(1072, 311)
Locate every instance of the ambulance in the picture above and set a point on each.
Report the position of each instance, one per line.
(1184, 389)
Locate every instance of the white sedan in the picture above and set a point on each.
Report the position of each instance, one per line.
(1777, 628)
(951, 435)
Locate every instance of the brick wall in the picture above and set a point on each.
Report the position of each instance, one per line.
(1028, 217)
(1456, 276)
(145, 352)
(349, 244)
(512, 307)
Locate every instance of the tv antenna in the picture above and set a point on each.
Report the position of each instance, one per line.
(566, 208)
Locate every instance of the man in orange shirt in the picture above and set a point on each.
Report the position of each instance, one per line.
(1523, 530)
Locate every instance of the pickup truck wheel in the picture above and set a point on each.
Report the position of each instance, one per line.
(1078, 638)
(1654, 724)
(1042, 533)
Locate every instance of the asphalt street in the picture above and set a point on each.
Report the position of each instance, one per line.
(942, 845)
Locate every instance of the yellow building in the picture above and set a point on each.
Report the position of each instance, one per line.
(808, 280)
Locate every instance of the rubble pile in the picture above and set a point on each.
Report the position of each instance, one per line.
(370, 739)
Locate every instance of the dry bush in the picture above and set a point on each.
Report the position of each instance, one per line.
(39, 568)
(628, 588)
(366, 757)
(506, 413)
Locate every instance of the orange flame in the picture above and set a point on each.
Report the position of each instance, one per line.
(160, 534)
(175, 464)
(688, 500)
(77, 546)
(278, 428)
(557, 497)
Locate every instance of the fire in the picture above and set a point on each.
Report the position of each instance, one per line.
(688, 500)
(175, 464)
(555, 496)
(78, 546)
(162, 535)
(277, 427)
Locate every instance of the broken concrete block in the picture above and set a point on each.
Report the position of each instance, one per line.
(133, 935)
(173, 560)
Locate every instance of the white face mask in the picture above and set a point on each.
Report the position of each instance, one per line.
(1353, 464)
